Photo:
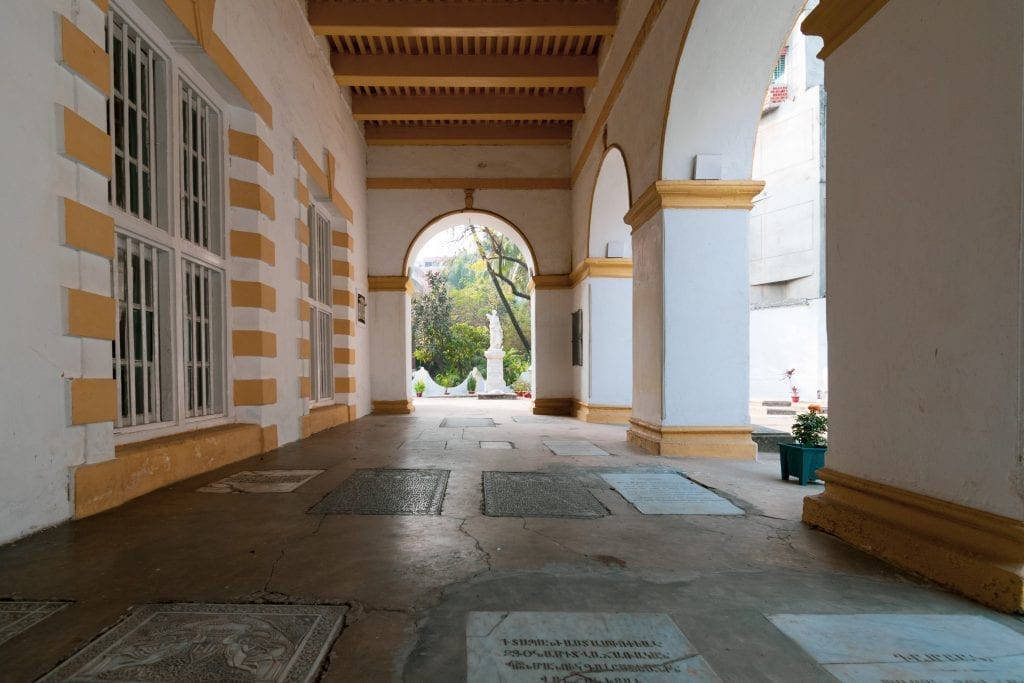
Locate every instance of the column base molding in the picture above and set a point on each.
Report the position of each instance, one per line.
(402, 407)
(325, 417)
(732, 443)
(139, 468)
(601, 414)
(552, 406)
(976, 553)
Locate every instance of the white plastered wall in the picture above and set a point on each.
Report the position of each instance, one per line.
(924, 251)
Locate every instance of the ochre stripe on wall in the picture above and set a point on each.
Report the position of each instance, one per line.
(344, 385)
(303, 271)
(304, 349)
(304, 310)
(254, 343)
(253, 245)
(87, 144)
(255, 392)
(103, 4)
(302, 193)
(343, 297)
(246, 195)
(313, 171)
(304, 387)
(344, 356)
(341, 239)
(251, 147)
(83, 56)
(342, 268)
(91, 315)
(88, 229)
(246, 294)
(93, 400)
(343, 326)
(302, 232)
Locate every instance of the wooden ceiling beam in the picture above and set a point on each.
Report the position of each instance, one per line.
(466, 71)
(481, 107)
(507, 18)
(477, 134)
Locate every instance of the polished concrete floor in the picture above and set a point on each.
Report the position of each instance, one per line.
(409, 582)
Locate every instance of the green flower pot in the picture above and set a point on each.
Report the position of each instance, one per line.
(801, 461)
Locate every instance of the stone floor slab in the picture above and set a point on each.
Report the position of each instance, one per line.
(530, 647)
(655, 493)
(426, 445)
(574, 447)
(387, 492)
(17, 617)
(205, 642)
(496, 444)
(938, 648)
(261, 481)
(535, 494)
(463, 422)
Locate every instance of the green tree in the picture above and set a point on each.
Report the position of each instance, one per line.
(432, 323)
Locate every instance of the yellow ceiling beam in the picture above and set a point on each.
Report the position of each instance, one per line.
(465, 71)
(467, 107)
(476, 134)
(508, 18)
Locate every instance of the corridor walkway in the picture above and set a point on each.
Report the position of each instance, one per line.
(408, 583)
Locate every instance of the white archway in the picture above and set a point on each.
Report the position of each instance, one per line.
(465, 217)
(608, 228)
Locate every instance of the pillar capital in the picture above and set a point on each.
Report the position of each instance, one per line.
(390, 283)
(835, 21)
(692, 194)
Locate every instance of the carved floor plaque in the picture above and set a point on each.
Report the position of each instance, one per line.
(545, 647)
(195, 642)
(574, 448)
(495, 444)
(533, 494)
(655, 493)
(467, 422)
(908, 647)
(387, 492)
(261, 481)
(535, 419)
(16, 617)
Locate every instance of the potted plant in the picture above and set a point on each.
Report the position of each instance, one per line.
(794, 392)
(803, 458)
(520, 386)
(471, 385)
(419, 386)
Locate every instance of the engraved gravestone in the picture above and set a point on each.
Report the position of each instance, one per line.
(908, 647)
(197, 642)
(657, 493)
(535, 494)
(550, 647)
(16, 617)
(261, 481)
(386, 492)
(573, 447)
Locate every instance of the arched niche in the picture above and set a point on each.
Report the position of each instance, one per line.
(456, 219)
(724, 69)
(608, 206)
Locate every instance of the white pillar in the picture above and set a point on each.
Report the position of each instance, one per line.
(552, 344)
(391, 345)
(691, 319)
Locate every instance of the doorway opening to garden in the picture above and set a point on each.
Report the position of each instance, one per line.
(466, 268)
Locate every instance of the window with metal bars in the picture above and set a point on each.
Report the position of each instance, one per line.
(321, 322)
(131, 120)
(203, 322)
(197, 119)
(140, 351)
(779, 72)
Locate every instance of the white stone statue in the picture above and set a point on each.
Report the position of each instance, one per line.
(496, 334)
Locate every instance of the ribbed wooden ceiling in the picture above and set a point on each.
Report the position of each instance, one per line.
(465, 71)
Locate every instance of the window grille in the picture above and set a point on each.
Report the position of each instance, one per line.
(321, 321)
(780, 67)
(202, 324)
(130, 119)
(139, 343)
(196, 115)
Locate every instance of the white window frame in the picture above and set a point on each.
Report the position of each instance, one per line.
(321, 316)
(173, 72)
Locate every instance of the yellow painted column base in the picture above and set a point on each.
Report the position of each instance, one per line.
(602, 414)
(393, 407)
(139, 468)
(976, 553)
(326, 417)
(552, 406)
(731, 443)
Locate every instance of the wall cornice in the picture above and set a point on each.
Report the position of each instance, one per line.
(835, 21)
(692, 194)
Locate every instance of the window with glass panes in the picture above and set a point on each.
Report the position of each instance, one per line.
(168, 355)
(321, 321)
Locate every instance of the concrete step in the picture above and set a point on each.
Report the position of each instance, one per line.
(781, 411)
(768, 439)
(775, 404)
